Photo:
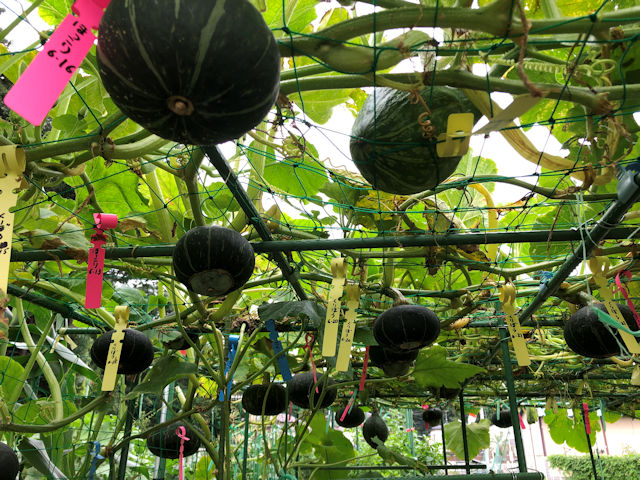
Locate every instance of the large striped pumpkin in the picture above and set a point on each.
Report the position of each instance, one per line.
(196, 72)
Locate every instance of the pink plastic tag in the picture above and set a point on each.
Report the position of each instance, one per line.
(182, 434)
(587, 423)
(95, 266)
(309, 339)
(623, 290)
(39, 87)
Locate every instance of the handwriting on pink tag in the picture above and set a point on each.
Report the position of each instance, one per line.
(95, 266)
(587, 423)
(38, 88)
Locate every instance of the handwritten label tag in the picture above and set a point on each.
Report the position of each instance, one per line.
(283, 365)
(456, 141)
(95, 265)
(585, 414)
(181, 432)
(121, 313)
(599, 266)
(348, 329)
(508, 297)
(339, 272)
(12, 164)
(38, 88)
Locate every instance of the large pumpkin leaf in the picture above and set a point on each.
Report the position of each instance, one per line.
(477, 437)
(300, 174)
(329, 446)
(433, 369)
(164, 371)
(571, 430)
(302, 309)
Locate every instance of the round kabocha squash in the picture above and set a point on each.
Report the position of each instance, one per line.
(504, 421)
(197, 72)
(166, 443)
(396, 369)
(586, 335)
(432, 416)
(352, 419)
(301, 389)
(135, 356)
(9, 463)
(445, 393)
(254, 396)
(406, 327)
(375, 430)
(388, 145)
(213, 260)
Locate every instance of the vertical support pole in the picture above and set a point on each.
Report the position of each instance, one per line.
(463, 420)
(444, 442)
(128, 424)
(513, 405)
(161, 463)
(245, 447)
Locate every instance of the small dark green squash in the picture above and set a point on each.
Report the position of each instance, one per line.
(397, 369)
(180, 343)
(586, 335)
(406, 327)
(135, 356)
(387, 142)
(375, 430)
(166, 443)
(213, 260)
(432, 416)
(352, 419)
(504, 421)
(254, 396)
(445, 393)
(9, 463)
(196, 72)
(302, 391)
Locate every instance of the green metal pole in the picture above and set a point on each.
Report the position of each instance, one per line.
(513, 405)
(233, 184)
(275, 246)
(124, 452)
(245, 447)
(463, 420)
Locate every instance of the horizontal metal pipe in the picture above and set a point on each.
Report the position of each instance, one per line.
(471, 238)
(391, 467)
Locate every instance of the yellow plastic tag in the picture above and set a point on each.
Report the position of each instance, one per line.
(599, 267)
(339, 272)
(508, 297)
(455, 142)
(348, 329)
(12, 164)
(121, 313)
(635, 376)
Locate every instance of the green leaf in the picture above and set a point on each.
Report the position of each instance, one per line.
(164, 371)
(35, 454)
(319, 105)
(433, 369)
(571, 431)
(296, 15)
(300, 174)
(302, 309)
(10, 373)
(477, 437)
(73, 236)
(329, 446)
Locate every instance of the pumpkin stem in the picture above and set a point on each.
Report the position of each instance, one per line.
(180, 105)
(398, 298)
(266, 378)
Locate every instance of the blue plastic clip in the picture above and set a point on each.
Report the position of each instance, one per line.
(545, 277)
(233, 345)
(283, 365)
(95, 453)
